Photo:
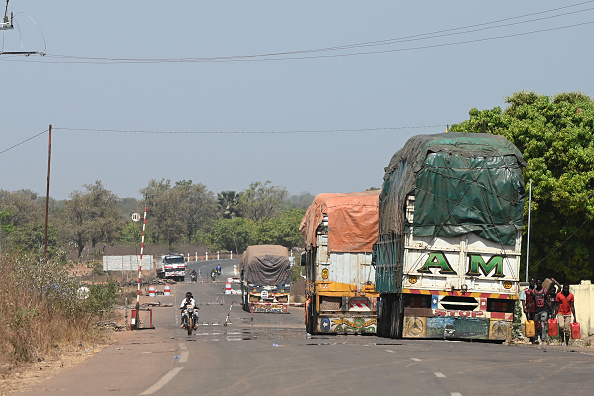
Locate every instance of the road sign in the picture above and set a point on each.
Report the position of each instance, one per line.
(135, 217)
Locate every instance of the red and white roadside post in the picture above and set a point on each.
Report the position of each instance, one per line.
(135, 320)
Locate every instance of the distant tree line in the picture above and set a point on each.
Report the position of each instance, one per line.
(177, 212)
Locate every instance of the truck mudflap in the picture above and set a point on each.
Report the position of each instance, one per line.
(347, 324)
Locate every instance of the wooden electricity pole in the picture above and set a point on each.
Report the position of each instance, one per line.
(49, 158)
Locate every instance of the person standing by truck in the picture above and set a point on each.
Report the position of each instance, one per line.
(527, 299)
(541, 307)
(565, 308)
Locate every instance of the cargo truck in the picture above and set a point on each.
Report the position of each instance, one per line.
(339, 232)
(265, 277)
(447, 257)
(172, 266)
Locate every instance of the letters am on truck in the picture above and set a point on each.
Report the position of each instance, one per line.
(339, 231)
(450, 233)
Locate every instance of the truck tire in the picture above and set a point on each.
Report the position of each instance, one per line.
(382, 313)
(397, 316)
(312, 319)
(309, 324)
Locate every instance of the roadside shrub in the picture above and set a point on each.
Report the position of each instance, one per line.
(40, 308)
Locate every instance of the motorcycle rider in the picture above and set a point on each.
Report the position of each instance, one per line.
(189, 300)
(193, 275)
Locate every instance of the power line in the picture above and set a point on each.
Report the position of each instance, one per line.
(283, 55)
(253, 132)
(227, 132)
(90, 60)
(24, 141)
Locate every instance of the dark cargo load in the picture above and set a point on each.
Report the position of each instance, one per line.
(462, 183)
(266, 265)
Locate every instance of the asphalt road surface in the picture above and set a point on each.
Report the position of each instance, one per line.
(271, 354)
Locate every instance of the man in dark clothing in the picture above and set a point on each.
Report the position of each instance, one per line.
(527, 299)
(542, 306)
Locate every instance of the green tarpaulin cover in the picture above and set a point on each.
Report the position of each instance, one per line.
(462, 183)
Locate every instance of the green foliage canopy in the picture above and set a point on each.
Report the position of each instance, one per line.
(556, 136)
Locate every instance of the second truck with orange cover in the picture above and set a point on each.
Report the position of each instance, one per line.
(339, 231)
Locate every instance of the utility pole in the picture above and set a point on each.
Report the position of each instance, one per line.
(49, 158)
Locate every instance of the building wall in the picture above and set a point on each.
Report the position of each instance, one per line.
(584, 305)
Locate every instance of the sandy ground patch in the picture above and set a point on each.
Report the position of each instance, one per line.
(14, 379)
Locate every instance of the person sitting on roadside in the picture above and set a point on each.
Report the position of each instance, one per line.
(565, 307)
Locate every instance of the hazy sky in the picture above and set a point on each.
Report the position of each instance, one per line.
(203, 77)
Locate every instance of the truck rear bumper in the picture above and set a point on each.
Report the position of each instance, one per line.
(347, 323)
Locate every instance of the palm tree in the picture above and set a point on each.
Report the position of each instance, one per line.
(228, 203)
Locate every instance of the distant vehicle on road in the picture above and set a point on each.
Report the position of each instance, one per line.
(265, 272)
(172, 266)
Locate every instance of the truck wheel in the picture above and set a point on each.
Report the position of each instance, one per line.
(381, 318)
(309, 325)
(396, 322)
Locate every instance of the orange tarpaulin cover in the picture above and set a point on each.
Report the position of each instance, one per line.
(352, 220)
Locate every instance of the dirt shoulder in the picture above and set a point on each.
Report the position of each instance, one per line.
(133, 358)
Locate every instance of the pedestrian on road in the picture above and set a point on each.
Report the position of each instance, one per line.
(527, 299)
(565, 307)
(552, 298)
(541, 311)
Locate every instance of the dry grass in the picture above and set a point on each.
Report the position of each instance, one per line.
(41, 314)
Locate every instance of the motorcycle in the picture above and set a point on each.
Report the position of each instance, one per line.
(213, 275)
(194, 277)
(190, 318)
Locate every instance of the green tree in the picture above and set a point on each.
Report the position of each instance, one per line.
(556, 136)
(30, 238)
(21, 207)
(284, 229)
(261, 201)
(166, 208)
(91, 216)
(228, 204)
(232, 234)
(200, 206)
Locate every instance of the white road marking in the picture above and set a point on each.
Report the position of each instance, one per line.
(415, 359)
(185, 354)
(440, 375)
(455, 394)
(162, 381)
(389, 351)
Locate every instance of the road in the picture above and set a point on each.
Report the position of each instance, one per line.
(272, 354)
